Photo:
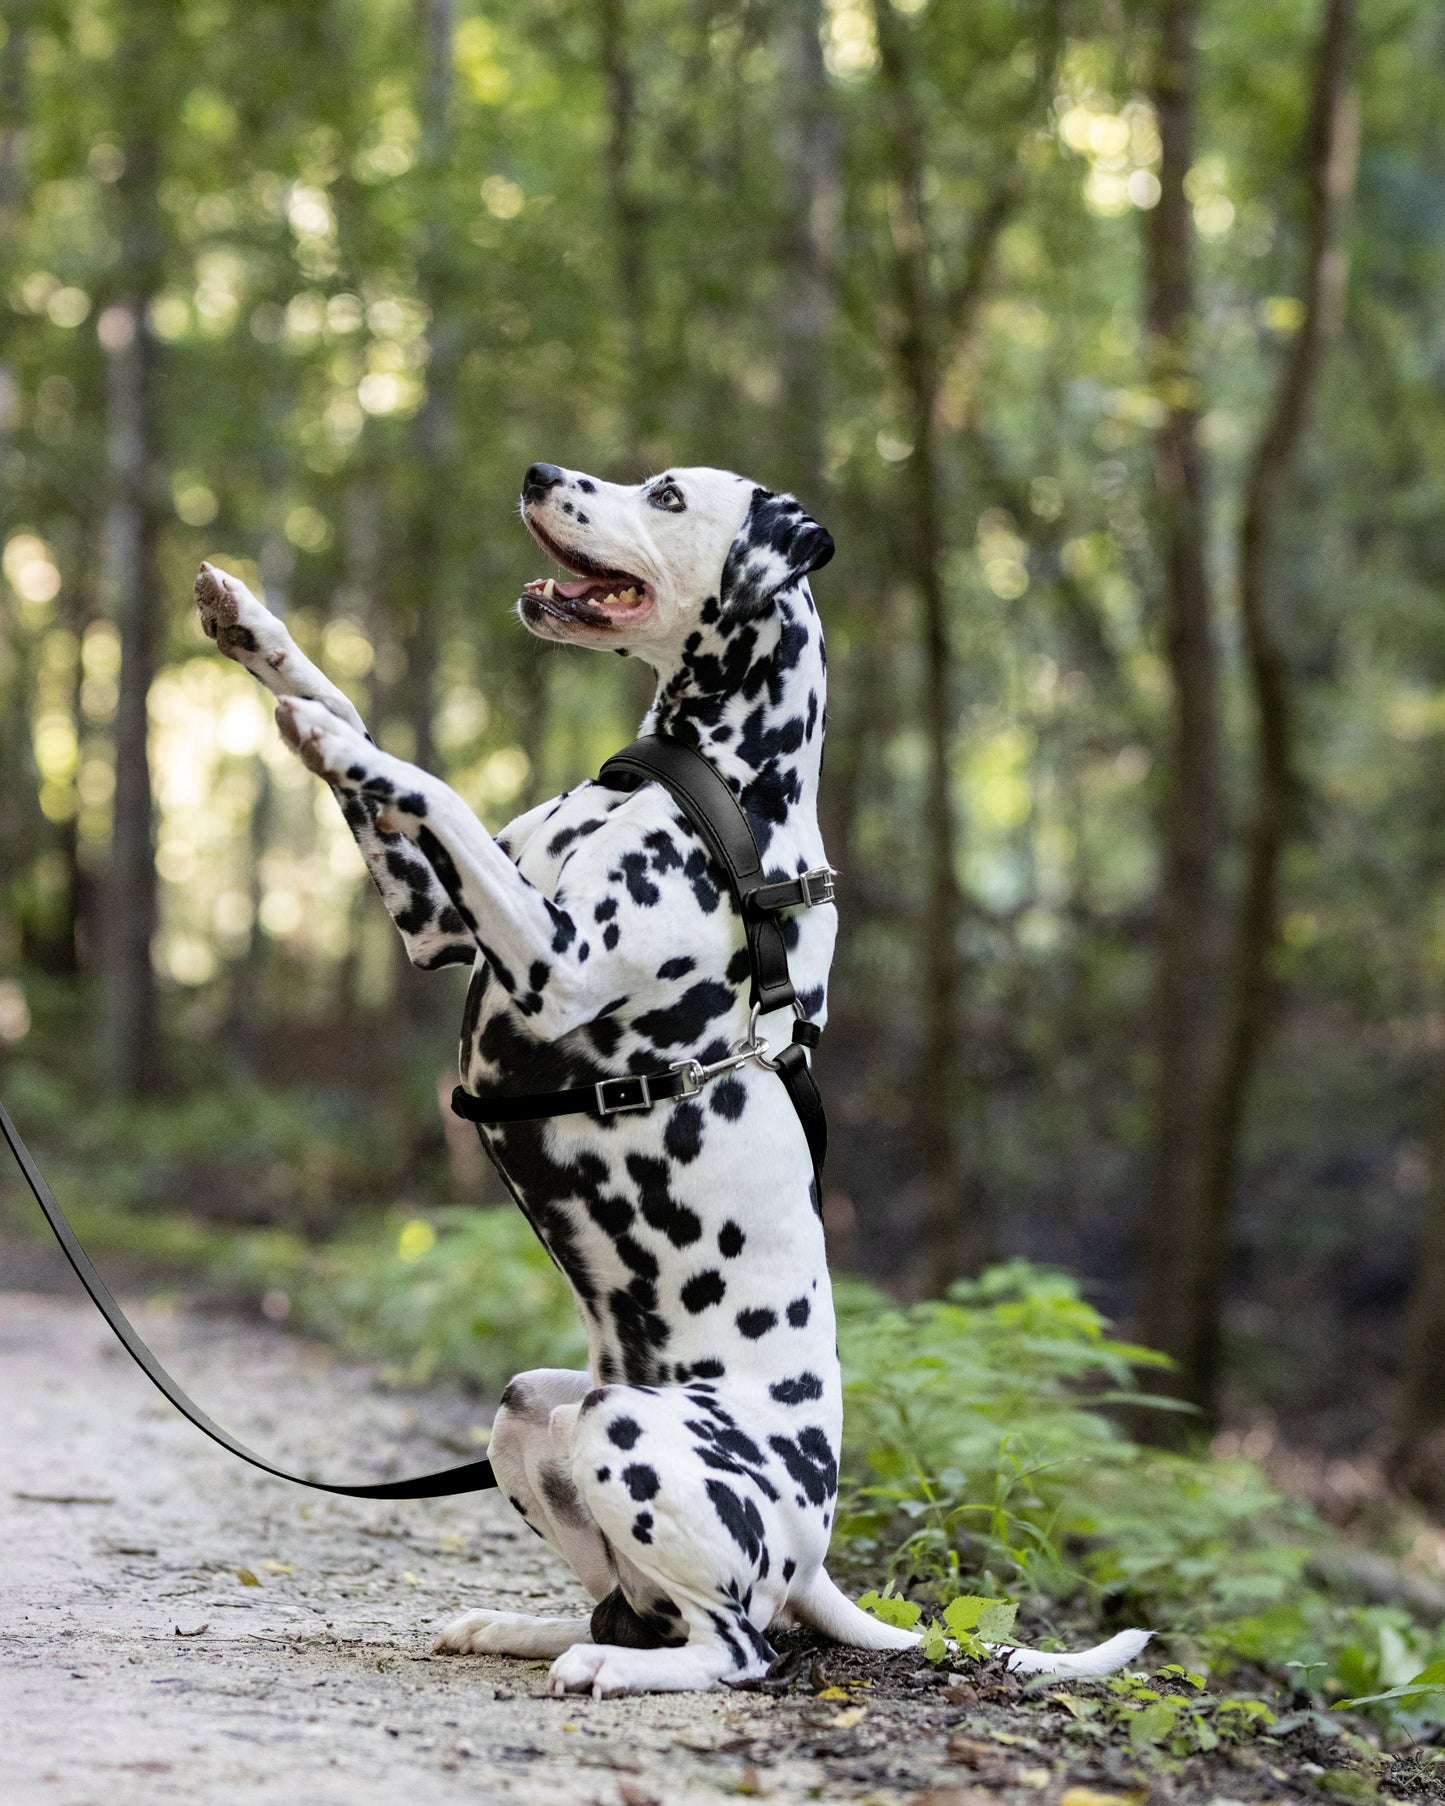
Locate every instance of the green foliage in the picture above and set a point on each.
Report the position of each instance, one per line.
(975, 1448)
(468, 1294)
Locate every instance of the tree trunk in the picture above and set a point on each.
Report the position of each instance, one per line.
(426, 537)
(1179, 1257)
(932, 319)
(953, 1237)
(629, 226)
(131, 1054)
(1416, 1458)
(808, 155)
(1329, 157)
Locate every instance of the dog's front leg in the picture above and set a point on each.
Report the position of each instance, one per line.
(246, 631)
(531, 945)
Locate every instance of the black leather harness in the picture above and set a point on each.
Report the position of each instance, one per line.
(718, 817)
(708, 803)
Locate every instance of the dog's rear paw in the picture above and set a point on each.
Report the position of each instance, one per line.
(580, 1670)
(500, 1633)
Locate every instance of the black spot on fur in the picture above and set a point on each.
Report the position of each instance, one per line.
(798, 1312)
(810, 1463)
(623, 1432)
(683, 1135)
(703, 1290)
(739, 1516)
(640, 1480)
(730, 1240)
(683, 1022)
(800, 1390)
(756, 1322)
(729, 1099)
(660, 1209)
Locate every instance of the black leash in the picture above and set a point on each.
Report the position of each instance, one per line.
(705, 799)
(475, 1476)
(718, 816)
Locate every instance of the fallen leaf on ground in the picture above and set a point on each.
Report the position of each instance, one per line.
(631, 1794)
(279, 1567)
(974, 1751)
(199, 1631)
(833, 1693)
(247, 1578)
(1091, 1796)
(844, 1721)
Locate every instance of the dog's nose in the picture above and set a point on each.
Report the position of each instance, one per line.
(539, 479)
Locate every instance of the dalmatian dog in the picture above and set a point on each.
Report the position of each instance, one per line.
(689, 1476)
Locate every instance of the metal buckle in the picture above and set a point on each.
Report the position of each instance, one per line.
(643, 1102)
(817, 886)
(691, 1072)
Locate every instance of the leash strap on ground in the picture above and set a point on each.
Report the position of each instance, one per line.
(706, 800)
(475, 1476)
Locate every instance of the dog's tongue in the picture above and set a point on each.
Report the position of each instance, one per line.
(583, 586)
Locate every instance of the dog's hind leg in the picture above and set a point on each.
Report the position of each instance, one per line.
(534, 1415)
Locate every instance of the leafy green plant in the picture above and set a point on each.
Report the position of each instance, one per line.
(468, 1294)
(979, 1457)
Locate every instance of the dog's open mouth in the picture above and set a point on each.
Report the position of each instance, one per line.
(601, 596)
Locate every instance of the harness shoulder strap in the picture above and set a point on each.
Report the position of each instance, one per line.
(718, 816)
(705, 799)
(475, 1476)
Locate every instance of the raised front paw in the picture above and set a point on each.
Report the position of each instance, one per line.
(324, 744)
(243, 628)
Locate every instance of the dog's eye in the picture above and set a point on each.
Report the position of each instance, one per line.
(669, 496)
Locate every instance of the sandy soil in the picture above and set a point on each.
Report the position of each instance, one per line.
(174, 1625)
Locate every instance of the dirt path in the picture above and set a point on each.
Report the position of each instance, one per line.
(121, 1527)
(175, 1626)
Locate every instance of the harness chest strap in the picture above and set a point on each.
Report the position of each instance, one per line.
(711, 807)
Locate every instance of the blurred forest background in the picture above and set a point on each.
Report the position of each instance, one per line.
(1108, 339)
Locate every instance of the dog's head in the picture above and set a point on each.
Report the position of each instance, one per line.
(653, 560)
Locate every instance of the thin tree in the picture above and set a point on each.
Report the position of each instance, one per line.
(1329, 156)
(629, 219)
(130, 1029)
(807, 142)
(933, 318)
(1177, 1252)
(1415, 1461)
(1205, 1075)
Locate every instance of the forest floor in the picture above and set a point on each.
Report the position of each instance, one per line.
(178, 1626)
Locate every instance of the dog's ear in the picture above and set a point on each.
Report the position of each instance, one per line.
(779, 543)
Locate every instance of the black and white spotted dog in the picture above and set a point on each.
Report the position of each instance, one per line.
(689, 1476)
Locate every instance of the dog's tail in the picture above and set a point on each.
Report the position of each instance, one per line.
(823, 1608)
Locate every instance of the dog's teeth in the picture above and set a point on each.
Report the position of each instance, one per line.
(549, 588)
(607, 599)
(629, 596)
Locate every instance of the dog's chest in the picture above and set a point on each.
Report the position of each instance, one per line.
(687, 1230)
